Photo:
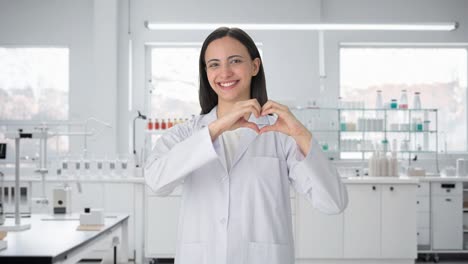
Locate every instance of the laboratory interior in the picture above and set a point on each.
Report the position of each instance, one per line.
(88, 87)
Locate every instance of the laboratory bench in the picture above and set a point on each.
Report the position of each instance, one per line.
(55, 239)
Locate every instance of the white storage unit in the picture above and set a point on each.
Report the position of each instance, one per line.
(423, 215)
(447, 215)
(379, 224)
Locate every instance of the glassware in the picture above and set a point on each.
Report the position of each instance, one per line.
(393, 104)
(404, 100)
(378, 100)
(417, 101)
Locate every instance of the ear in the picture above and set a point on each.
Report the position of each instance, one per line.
(256, 66)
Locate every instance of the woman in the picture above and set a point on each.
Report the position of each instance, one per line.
(236, 162)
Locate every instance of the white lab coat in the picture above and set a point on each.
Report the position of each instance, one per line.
(241, 216)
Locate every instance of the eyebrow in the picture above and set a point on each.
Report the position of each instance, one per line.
(230, 57)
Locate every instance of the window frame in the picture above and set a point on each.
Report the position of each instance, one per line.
(409, 45)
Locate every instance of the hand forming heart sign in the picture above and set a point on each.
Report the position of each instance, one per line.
(286, 123)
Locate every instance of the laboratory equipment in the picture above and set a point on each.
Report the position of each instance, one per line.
(403, 100)
(378, 100)
(92, 217)
(17, 136)
(3, 147)
(86, 134)
(137, 160)
(393, 104)
(150, 124)
(156, 124)
(62, 200)
(417, 101)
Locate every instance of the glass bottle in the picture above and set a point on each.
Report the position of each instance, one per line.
(378, 100)
(163, 124)
(150, 124)
(404, 100)
(156, 124)
(417, 101)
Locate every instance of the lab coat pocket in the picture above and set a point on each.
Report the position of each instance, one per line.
(193, 253)
(260, 253)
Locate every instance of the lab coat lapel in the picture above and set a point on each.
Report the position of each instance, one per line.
(218, 144)
(248, 136)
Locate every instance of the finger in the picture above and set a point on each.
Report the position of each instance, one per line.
(254, 103)
(274, 110)
(272, 103)
(251, 109)
(268, 129)
(250, 125)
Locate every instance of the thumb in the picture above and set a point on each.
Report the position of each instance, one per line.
(268, 129)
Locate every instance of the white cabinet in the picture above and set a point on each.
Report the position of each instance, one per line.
(162, 214)
(398, 221)
(447, 216)
(317, 235)
(379, 223)
(362, 222)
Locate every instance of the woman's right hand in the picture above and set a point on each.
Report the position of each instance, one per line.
(236, 118)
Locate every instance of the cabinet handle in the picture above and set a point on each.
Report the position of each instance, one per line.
(448, 200)
(373, 188)
(391, 188)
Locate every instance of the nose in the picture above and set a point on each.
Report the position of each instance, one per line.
(226, 70)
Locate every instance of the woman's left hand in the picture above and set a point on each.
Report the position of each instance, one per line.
(287, 124)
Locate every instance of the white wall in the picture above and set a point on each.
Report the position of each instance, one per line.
(91, 42)
(98, 34)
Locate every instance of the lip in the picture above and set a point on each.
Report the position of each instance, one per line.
(230, 84)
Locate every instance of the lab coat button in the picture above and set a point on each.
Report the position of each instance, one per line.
(223, 221)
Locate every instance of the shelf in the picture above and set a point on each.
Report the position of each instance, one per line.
(155, 132)
(387, 110)
(386, 131)
(406, 151)
(316, 108)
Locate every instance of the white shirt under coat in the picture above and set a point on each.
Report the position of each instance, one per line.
(240, 215)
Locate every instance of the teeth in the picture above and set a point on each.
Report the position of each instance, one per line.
(227, 84)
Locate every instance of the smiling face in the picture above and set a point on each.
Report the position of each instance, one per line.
(230, 69)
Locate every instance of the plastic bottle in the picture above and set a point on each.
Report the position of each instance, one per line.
(383, 164)
(416, 101)
(378, 100)
(404, 100)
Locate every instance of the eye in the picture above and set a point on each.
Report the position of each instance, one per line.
(213, 65)
(235, 61)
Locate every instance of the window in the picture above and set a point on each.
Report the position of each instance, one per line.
(34, 83)
(174, 82)
(439, 74)
(34, 87)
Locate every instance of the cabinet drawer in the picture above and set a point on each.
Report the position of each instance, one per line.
(422, 203)
(423, 236)
(446, 188)
(423, 189)
(423, 219)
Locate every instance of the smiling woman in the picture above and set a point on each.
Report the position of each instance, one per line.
(239, 158)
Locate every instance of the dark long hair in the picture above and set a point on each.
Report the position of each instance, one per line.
(208, 98)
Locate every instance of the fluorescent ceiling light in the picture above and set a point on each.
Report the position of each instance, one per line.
(448, 26)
